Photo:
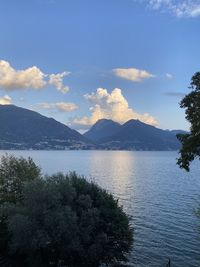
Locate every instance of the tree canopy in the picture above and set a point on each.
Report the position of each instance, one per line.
(63, 220)
(14, 172)
(191, 142)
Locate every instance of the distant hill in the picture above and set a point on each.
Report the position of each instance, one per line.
(132, 135)
(25, 129)
(175, 132)
(102, 129)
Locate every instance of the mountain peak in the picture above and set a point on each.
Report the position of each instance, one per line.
(101, 129)
(134, 122)
(104, 122)
(132, 135)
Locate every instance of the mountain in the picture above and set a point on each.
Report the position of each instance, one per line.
(25, 129)
(175, 132)
(136, 135)
(21, 128)
(102, 129)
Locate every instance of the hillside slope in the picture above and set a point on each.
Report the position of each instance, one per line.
(25, 129)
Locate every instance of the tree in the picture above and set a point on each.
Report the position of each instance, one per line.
(63, 220)
(14, 173)
(191, 142)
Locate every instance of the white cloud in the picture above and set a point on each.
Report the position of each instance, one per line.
(57, 81)
(30, 78)
(133, 74)
(60, 106)
(5, 100)
(180, 8)
(169, 76)
(14, 79)
(110, 106)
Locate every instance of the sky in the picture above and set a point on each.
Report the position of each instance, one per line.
(83, 60)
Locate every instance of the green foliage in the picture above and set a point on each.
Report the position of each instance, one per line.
(63, 220)
(191, 142)
(14, 172)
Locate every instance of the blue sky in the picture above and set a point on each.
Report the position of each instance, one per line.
(80, 60)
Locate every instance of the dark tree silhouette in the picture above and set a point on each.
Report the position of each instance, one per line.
(191, 141)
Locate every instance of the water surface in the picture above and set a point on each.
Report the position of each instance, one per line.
(159, 196)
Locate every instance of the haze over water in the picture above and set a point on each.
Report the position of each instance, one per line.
(159, 196)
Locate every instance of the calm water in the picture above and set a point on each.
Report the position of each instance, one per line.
(159, 196)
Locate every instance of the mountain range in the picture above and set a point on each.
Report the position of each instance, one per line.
(21, 128)
(132, 135)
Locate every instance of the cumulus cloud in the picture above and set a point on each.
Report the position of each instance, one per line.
(180, 8)
(12, 79)
(169, 76)
(57, 81)
(60, 106)
(110, 106)
(5, 100)
(133, 74)
(30, 78)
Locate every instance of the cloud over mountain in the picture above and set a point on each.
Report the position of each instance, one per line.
(110, 106)
(29, 78)
(60, 106)
(5, 100)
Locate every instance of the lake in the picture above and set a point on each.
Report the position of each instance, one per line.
(159, 196)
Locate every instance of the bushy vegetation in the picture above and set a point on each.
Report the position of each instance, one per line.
(59, 220)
